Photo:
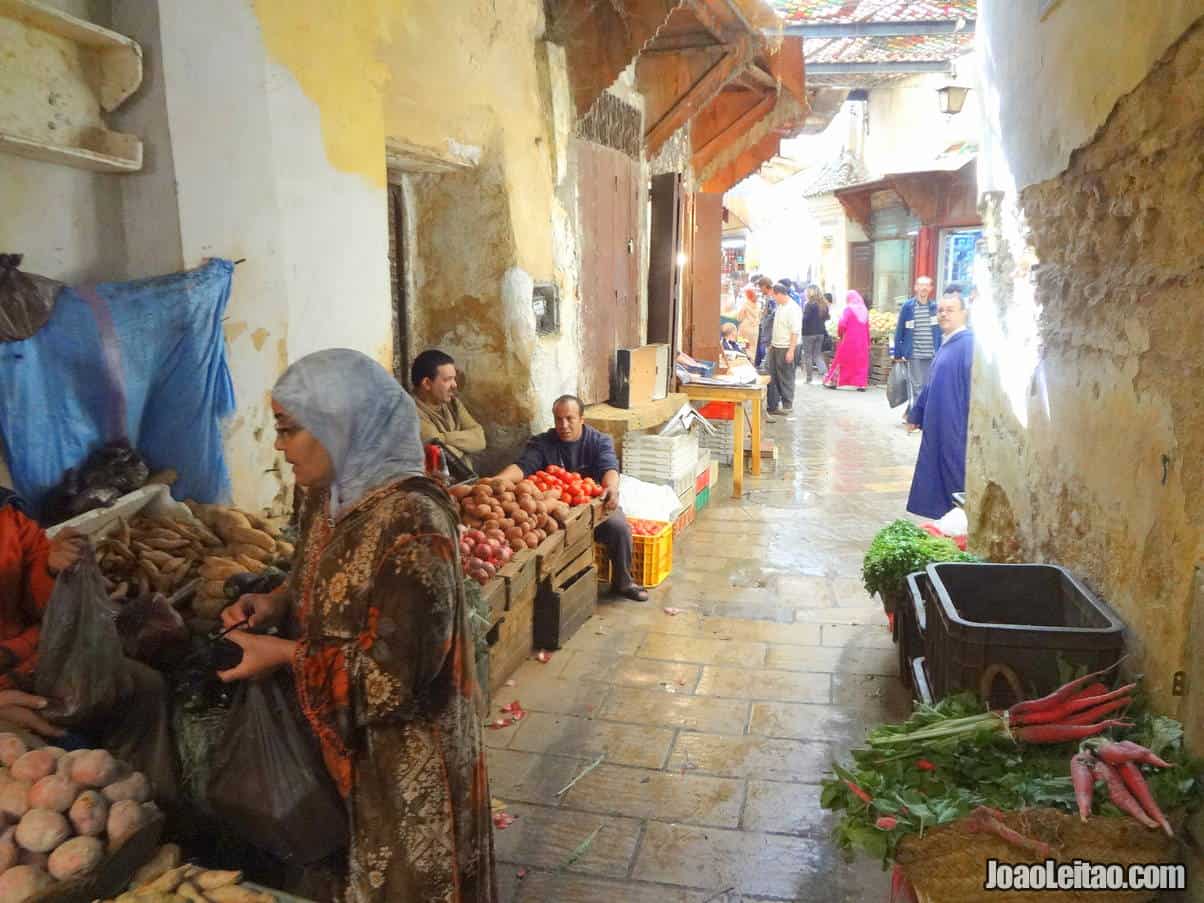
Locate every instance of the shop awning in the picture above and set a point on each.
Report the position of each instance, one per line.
(945, 193)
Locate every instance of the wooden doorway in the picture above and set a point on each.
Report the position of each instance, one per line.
(861, 268)
(397, 283)
(609, 196)
(706, 261)
(664, 282)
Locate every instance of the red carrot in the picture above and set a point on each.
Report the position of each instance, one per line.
(1135, 782)
(861, 794)
(1063, 733)
(1128, 751)
(1082, 776)
(1060, 695)
(1092, 690)
(1090, 716)
(981, 820)
(1120, 796)
(1061, 714)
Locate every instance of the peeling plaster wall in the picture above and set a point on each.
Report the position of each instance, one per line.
(1087, 433)
(66, 221)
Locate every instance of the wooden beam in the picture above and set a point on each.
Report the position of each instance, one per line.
(744, 165)
(695, 40)
(697, 96)
(856, 204)
(788, 68)
(758, 75)
(736, 128)
(706, 17)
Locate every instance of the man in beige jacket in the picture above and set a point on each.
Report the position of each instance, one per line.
(441, 415)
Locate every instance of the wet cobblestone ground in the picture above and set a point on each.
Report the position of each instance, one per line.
(718, 723)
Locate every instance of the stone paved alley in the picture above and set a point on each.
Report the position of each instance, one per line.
(718, 723)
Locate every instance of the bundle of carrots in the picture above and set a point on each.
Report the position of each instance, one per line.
(1074, 711)
(1117, 765)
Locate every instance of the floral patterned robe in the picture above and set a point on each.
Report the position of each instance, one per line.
(386, 676)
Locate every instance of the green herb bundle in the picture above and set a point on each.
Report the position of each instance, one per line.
(885, 795)
(901, 548)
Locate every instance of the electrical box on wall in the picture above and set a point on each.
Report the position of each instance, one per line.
(546, 300)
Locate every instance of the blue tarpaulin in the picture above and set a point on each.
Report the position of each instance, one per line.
(141, 360)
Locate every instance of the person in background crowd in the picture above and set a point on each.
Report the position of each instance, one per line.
(851, 363)
(730, 338)
(942, 411)
(917, 338)
(579, 448)
(385, 667)
(768, 310)
(749, 318)
(787, 325)
(815, 315)
(441, 415)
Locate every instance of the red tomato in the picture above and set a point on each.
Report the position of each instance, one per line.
(580, 499)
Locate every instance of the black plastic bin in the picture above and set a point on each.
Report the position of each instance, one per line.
(910, 627)
(1001, 629)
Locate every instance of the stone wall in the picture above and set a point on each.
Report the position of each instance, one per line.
(1087, 429)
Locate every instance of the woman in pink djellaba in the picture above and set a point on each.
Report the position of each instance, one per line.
(851, 364)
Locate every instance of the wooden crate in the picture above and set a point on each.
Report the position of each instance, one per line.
(580, 522)
(493, 593)
(556, 564)
(511, 641)
(546, 551)
(520, 573)
(561, 610)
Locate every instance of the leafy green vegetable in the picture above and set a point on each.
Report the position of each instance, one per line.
(901, 548)
(922, 783)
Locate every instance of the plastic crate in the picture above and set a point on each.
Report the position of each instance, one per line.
(703, 499)
(683, 520)
(718, 410)
(1001, 630)
(651, 557)
(704, 462)
(702, 481)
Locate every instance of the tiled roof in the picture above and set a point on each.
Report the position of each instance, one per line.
(795, 12)
(901, 48)
(845, 170)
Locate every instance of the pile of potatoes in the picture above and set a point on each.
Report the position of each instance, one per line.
(161, 554)
(62, 812)
(519, 511)
(166, 880)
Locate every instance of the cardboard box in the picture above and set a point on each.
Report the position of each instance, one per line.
(641, 375)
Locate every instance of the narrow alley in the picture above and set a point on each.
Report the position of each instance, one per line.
(715, 724)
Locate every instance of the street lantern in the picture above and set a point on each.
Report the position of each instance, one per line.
(951, 98)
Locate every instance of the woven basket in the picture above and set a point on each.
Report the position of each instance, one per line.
(949, 863)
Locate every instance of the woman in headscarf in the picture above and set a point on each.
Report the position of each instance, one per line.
(384, 667)
(749, 318)
(851, 364)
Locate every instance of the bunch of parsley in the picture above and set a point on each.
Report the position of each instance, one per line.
(901, 548)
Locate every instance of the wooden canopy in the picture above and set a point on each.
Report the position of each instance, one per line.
(943, 197)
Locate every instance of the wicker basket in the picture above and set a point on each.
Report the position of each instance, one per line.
(949, 863)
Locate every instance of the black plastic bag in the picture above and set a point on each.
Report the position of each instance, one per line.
(152, 631)
(26, 301)
(896, 384)
(268, 781)
(81, 665)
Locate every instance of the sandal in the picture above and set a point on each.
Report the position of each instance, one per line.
(634, 593)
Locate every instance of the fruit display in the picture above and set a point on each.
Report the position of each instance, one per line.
(483, 553)
(641, 527)
(162, 554)
(882, 324)
(62, 812)
(167, 879)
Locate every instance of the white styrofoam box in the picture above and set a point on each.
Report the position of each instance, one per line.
(650, 475)
(154, 498)
(682, 442)
(704, 461)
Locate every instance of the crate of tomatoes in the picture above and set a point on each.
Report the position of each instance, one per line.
(651, 552)
(573, 487)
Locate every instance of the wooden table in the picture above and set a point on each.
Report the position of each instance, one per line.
(738, 394)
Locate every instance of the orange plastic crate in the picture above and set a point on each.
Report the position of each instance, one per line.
(651, 557)
(718, 410)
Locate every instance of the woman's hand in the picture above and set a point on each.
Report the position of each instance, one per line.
(20, 709)
(263, 610)
(65, 549)
(260, 655)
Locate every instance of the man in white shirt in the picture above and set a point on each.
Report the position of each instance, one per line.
(787, 325)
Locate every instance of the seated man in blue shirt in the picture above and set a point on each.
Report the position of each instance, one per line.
(584, 450)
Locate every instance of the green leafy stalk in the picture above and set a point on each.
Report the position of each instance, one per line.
(901, 548)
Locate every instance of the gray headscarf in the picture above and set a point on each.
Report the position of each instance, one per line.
(366, 422)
